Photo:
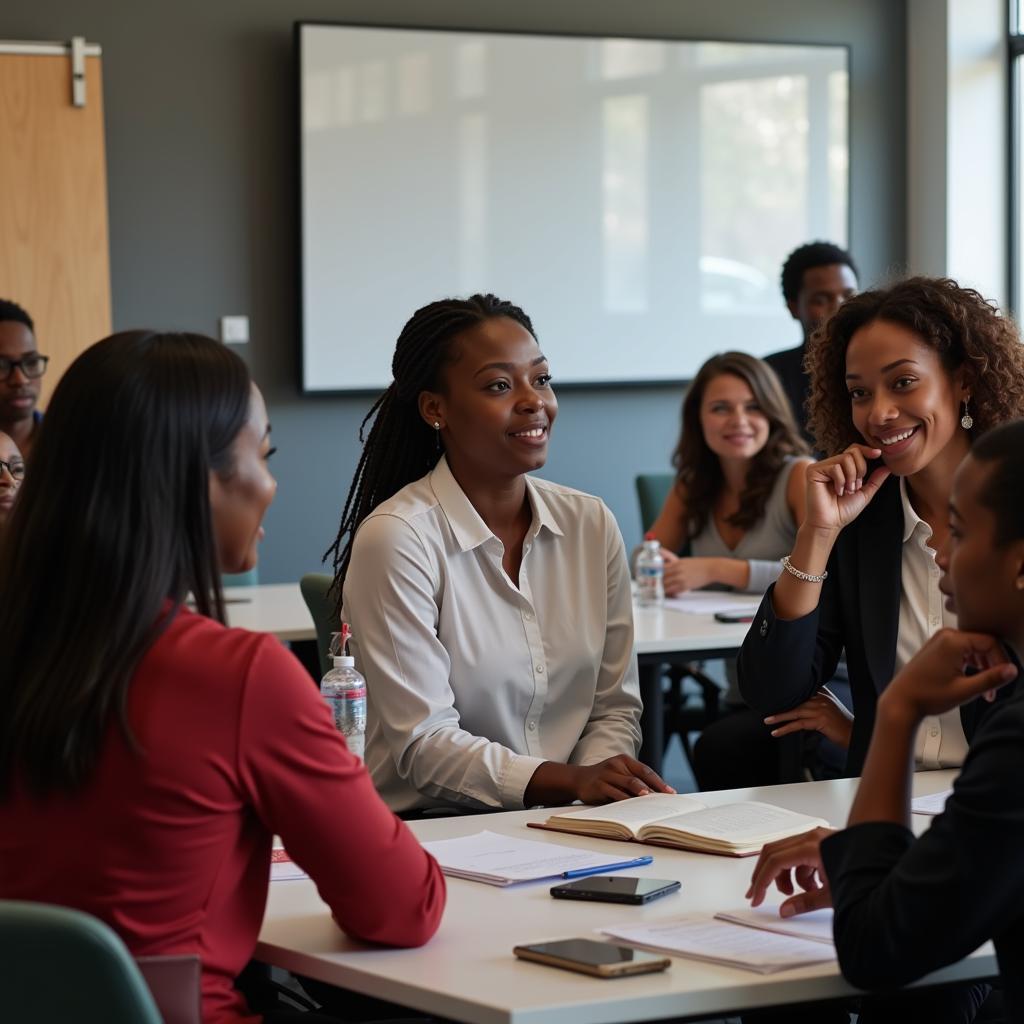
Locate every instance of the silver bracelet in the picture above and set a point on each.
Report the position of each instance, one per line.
(807, 577)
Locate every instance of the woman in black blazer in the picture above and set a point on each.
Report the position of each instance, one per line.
(905, 907)
(901, 380)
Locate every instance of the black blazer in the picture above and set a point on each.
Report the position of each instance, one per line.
(789, 366)
(905, 907)
(782, 664)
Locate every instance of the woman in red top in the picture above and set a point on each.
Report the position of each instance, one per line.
(147, 752)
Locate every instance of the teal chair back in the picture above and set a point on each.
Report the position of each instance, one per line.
(61, 965)
(242, 579)
(314, 587)
(652, 489)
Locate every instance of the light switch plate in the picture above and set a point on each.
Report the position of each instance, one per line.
(234, 330)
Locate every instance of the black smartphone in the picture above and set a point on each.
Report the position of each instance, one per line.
(734, 616)
(587, 956)
(616, 889)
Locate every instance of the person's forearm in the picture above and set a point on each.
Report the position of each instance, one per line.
(794, 598)
(732, 572)
(885, 786)
(552, 783)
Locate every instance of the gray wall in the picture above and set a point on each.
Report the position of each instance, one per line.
(199, 114)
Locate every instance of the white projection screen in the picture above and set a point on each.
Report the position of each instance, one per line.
(635, 196)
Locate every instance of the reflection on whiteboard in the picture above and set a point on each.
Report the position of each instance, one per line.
(636, 197)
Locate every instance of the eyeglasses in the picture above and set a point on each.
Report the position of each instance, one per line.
(16, 469)
(32, 366)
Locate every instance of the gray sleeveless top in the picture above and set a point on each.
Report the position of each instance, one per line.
(771, 537)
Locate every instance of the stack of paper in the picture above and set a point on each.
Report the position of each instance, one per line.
(504, 860)
(283, 868)
(933, 803)
(701, 937)
(709, 602)
(815, 925)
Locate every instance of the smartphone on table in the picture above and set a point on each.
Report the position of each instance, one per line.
(588, 956)
(616, 889)
(737, 616)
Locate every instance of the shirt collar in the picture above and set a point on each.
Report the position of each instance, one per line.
(911, 520)
(469, 529)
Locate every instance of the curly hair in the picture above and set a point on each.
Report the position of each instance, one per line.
(698, 468)
(964, 329)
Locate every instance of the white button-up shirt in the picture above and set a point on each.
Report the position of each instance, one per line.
(940, 742)
(472, 683)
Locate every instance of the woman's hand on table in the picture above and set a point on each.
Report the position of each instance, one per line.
(793, 864)
(823, 713)
(617, 778)
(682, 574)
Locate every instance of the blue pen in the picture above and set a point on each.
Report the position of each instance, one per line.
(637, 862)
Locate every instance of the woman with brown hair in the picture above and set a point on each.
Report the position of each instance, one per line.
(738, 496)
(902, 379)
(731, 515)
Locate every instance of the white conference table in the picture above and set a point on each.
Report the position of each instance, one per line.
(467, 971)
(662, 635)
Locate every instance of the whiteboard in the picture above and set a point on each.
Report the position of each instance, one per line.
(636, 197)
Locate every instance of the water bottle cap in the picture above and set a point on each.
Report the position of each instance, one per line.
(344, 661)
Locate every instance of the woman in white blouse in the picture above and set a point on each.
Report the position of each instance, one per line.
(491, 611)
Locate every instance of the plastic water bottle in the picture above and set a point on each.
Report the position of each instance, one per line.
(344, 690)
(650, 572)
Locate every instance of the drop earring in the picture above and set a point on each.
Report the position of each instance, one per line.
(437, 435)
(967, 420)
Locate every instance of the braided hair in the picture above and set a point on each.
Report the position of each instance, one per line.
(401, 447)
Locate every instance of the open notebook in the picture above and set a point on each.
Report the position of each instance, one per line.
(735, 830)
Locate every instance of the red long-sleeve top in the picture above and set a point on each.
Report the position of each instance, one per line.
(171, 845)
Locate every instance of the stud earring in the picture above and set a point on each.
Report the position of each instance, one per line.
(437, 425)
(967, 420)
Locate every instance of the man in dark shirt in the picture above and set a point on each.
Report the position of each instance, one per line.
(816, 280)
(21, 367)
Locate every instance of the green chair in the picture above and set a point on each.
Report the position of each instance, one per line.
(684, 712)
(652, 490)
(314, 587)
(61, 965)
(242, 579)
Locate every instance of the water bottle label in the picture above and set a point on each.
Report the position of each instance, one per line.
(357, 744)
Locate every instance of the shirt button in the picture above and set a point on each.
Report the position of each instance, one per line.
(533, 727)
(528, 616)
(540, 670)
(935, 730)
(764, 627)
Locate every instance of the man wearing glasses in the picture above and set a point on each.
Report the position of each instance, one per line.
(21, 366)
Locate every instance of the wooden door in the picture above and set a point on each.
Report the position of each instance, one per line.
(54, 248)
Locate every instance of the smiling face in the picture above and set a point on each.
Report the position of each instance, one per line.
(980, 578)
(240, 497)
(11, 475)
(18, 393)
(497, 405)
(902, 399)
(732, 421)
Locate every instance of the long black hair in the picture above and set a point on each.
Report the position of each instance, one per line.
(110, 532)
(401, 446)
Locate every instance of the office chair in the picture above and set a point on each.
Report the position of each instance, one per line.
(314, 587)
(63, 965)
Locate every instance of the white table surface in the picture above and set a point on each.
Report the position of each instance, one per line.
(467, 971)
(278, 608)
